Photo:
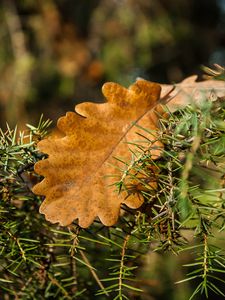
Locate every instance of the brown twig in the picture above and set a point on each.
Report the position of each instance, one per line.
(94, 274)
(122, 263)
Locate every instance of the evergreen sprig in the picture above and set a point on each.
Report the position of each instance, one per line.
(184, 214)
(190, 193)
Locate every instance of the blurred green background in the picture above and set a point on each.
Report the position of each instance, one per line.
(56, 53)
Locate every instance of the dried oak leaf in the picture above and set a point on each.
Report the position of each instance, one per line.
(191, 91)
(81, 168)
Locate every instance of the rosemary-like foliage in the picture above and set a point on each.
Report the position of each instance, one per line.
(184, 214)
(190, 197)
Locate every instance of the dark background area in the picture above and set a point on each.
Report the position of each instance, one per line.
(57, 53)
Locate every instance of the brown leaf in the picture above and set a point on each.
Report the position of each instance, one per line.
(81, 168)
(190, 91)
